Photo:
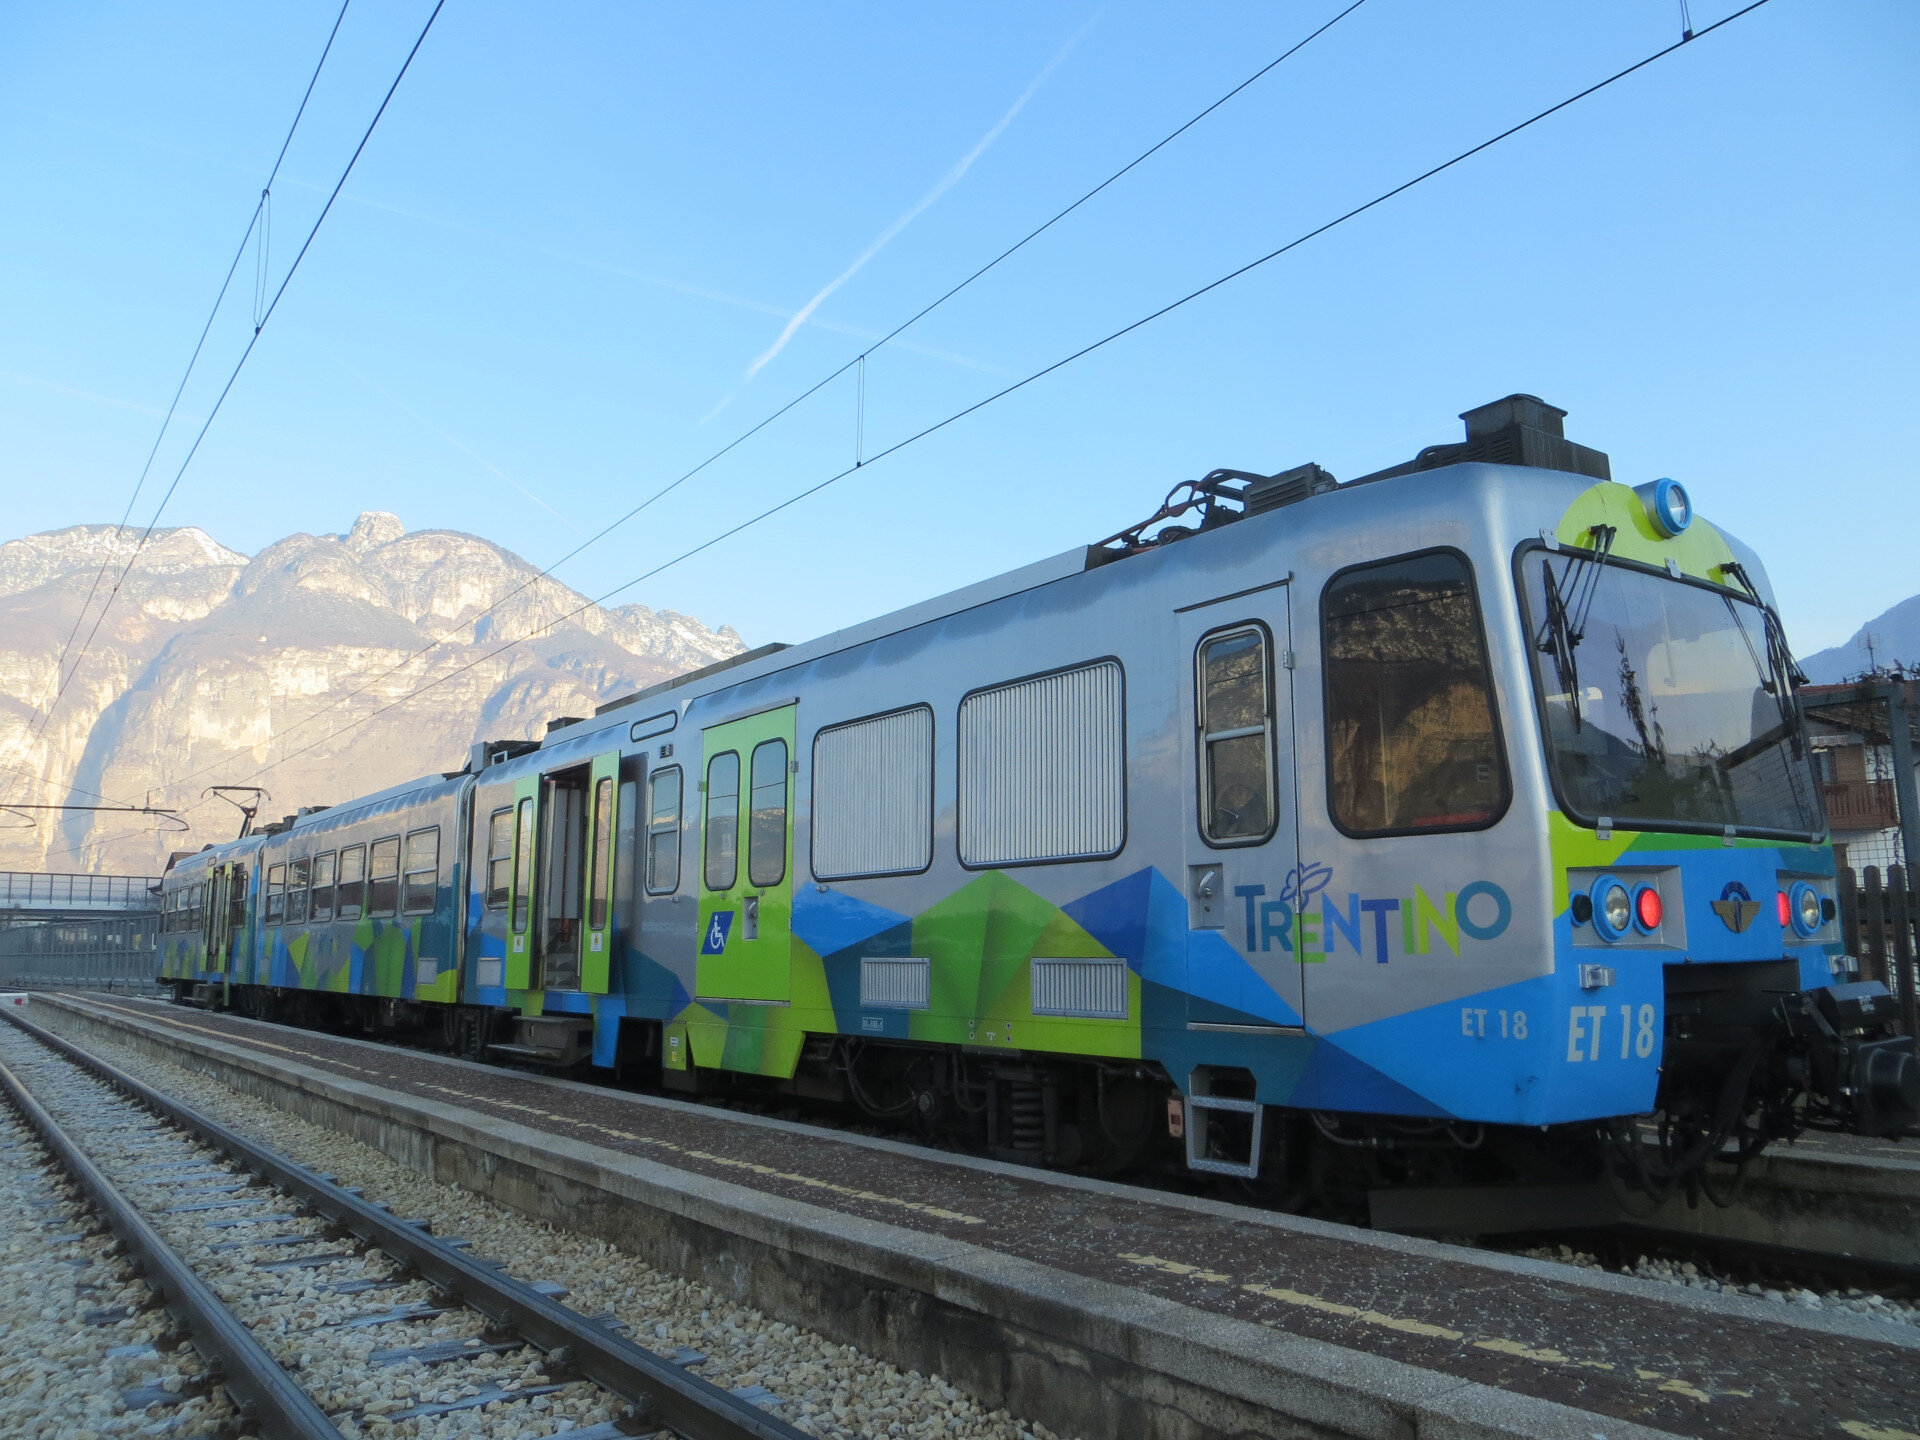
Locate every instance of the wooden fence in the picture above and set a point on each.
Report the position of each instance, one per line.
(1878, 915)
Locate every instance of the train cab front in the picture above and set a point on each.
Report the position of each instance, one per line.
(1699, 914)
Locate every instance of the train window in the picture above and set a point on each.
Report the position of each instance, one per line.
(663, 833)
(198, 912)
(321, 910)
(873, 796)
(297, 873)
(1043, 771)
(1234, 709)
(423, 871)
(723, 820)
(767, 814)
(276, 894)
(383, 876)
(1412, 742)
(601, 878)
(352, 885)
(524, 836)
(499, 857)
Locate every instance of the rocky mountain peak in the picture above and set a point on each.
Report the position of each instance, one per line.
(374, 527)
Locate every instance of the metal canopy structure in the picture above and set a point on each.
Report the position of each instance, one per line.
(36, 895)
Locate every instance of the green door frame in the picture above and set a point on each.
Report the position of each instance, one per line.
(745, 950)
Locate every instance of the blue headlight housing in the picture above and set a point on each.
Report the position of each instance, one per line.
(1612, 908)
(1804, 911)
(1667, 506)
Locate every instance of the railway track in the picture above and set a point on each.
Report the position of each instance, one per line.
(299, 1295)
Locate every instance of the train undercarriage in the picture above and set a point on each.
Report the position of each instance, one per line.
(1749, 1059)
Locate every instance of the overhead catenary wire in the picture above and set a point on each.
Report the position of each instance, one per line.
(253, 224)
(254, 339)
(1018, 385)
(857, 363)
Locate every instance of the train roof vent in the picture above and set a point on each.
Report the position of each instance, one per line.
(1514, 430)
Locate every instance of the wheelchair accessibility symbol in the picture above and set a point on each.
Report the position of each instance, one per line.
(718, 928)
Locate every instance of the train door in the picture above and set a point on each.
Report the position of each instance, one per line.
(214, 920)
(1247, 884)
(746, 890)
(560, 901)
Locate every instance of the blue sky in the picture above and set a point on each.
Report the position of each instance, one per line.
(578, 228)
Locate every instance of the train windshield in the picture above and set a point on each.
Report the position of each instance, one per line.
(1664, 703)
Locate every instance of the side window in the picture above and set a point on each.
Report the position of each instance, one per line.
(663, 833)
(523, 844)
(873, 796)
(199, 911)
(353, 882)
(297, 891)
(767, 814)
(1043, 768)
(1412, 742)
(422, 872)
(499, 857)
(723, 820)
(601, 880)
(1233, 704)
(383, 876)
(276, 894)
(322, 907)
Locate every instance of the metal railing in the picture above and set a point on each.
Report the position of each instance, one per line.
(35, 890)
(119, 952)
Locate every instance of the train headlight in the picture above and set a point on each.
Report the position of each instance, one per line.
(1803, 904)
(1648, 909)
(1612, 908)
(1667, 506)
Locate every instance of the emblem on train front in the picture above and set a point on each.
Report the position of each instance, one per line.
(1735, 906)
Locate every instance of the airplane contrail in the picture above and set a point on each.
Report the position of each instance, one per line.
(946, 183)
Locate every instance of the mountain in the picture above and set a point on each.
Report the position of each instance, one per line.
(210, 666)
(1896, 638)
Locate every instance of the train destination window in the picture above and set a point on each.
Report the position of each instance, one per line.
(352, 889)
(873, 796)
(600, 877)
(423, 871)
(383, 876)
(1234, 708)
(723, 820)
(523, 843)
(1412, 742)
(276, 894)
(663, 833)
(297, 892)
(499, 857)
(767, 814)
(1043, 771)
(321, 910)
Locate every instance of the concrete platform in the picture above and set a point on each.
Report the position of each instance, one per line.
(1100, 1309)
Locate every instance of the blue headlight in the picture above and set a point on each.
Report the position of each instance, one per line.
(1804, 911)
(1612, 908)
(1667, 506)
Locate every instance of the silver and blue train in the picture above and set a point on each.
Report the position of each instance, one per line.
(1449, 827)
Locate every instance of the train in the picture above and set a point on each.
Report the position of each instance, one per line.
(1446, 835)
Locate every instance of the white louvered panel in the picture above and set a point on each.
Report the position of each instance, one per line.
(1086, 989)
(895, 983)
(1043, 768)
(873, 796)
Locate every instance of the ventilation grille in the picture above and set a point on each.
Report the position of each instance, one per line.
(1085, 989)
(894, 984)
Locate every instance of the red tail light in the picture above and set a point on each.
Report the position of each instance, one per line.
(1647, 908)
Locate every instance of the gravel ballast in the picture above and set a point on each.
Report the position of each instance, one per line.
(821, 1387)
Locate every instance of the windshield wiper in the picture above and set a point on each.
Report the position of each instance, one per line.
(1569, 603)
(1780, 674)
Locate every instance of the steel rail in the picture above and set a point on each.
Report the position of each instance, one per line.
(271, 1399)
(662, 1393)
